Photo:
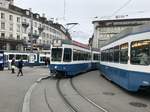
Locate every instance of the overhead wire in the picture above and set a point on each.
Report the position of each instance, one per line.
(124, 5)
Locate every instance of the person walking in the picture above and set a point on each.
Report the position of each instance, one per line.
(20, 66)
(13, 66)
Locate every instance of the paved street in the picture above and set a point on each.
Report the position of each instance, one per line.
(45, 96)
(95, 87)
(13, 88)
(111, 97)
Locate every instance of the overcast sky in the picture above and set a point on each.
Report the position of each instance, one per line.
(84, 11)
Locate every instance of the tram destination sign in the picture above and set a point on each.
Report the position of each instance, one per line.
(57, 43)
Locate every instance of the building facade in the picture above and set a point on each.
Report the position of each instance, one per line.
(20, 29)
(104, 30)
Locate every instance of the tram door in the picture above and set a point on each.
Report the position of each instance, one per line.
(1, 60)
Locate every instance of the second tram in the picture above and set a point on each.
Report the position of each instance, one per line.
(126, 59)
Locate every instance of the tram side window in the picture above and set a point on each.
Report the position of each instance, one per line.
(116, 54)
(11, 56)
(104, 55)
(18, 57)
(67, 55)
(111, 55)
(140, 52)
(124, 53)
(75, 55)
(56, 54)
(24, 57)
(96, 57)
(42, 59)
(5, 58)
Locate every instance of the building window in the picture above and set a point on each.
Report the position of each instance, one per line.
(40, 41)
(43, 34)
(43, 41)
(2, 35)
(18, 19)
(10, 17)
(35, 24)
(24, 30)
(11, 27)
(18, 37)
(2, 16)
(10, 35)
(25, 38)
(18, 28)
(2, 25)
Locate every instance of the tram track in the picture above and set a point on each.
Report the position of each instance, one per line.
(71, 102)
(64, 98)
(87, 99)
(46, 100)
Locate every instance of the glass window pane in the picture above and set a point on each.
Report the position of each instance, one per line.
(124, 53)
(140, 52)
(116, 54)
(56, 54)
(67, 55)
(11, 56)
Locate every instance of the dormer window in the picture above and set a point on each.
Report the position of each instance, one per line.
(37, 16)
(27, 13)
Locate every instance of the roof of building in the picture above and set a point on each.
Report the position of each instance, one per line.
(120, 20)
(129, 31)
(40, 19)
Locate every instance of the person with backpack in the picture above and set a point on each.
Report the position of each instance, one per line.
(20, 66)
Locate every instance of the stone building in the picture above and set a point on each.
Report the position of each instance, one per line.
(106, 29)
(16, 25)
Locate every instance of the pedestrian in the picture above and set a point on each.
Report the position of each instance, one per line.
(13, 66)
(20, 66)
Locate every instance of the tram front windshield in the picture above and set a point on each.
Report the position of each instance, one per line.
(56, 54)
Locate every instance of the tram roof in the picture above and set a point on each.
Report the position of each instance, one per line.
(73, 42)
(129, 31)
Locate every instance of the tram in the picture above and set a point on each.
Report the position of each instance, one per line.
(125, 60)
(69, 58)
(39, 58)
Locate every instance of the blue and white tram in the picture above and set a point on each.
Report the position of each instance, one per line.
(39, 58)
(126, 60)
(8, 56)
(70, 58)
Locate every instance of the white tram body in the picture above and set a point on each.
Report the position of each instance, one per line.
(39, 58)
(71, 58)
(123, 62)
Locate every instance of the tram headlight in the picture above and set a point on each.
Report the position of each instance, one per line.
(55, 67)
